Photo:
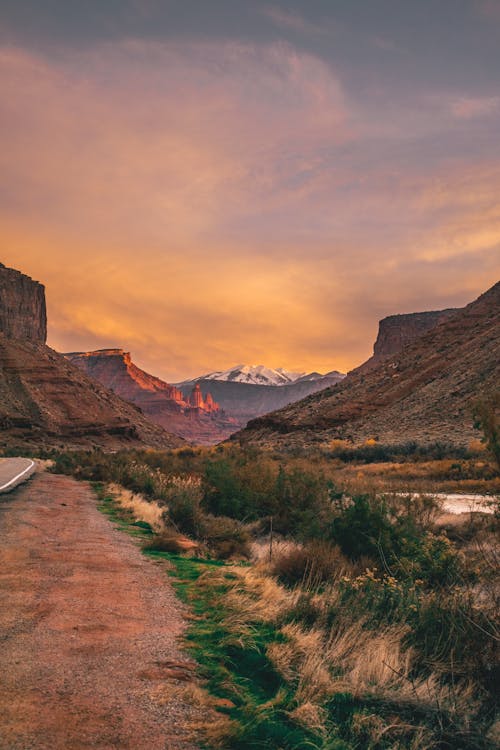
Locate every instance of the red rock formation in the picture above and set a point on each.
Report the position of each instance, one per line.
(44, 399)
(114, 369)
(211, 405)
(196, 398)
(395, 331)
(22, 306)
(190, 417)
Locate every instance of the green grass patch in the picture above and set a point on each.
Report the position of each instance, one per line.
(232, 666)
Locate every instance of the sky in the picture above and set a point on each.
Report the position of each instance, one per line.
(212, 182)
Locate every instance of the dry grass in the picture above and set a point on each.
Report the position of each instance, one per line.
(206, 722)
(255, 597)
(310, 716)
(141, 509)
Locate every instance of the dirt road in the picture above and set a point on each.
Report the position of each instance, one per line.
(14, 471)
(88, 628)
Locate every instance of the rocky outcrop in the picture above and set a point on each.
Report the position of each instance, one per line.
(22, 307)
(396, 331)
(192, 416)
(424, 393)
(114, 369)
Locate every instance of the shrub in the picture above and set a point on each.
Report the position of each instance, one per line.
(487, 418)
(363, 527)
(239, 486)
(314, 564)
(224, 537)
(372, 452)
(303, 504)
(184, 511)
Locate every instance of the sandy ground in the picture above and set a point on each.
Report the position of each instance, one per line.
(88, 629)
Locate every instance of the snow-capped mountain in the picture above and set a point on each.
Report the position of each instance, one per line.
(255, 375)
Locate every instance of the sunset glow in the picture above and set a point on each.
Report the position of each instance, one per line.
(251, 183)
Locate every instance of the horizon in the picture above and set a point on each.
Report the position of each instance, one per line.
(207, 184)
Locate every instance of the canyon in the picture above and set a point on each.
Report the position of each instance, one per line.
(204, 410)
(195, 415)
(44, 399)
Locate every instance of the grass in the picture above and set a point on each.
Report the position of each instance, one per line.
(371, 629)
(233, 661)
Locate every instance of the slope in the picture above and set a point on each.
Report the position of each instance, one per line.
(424, 393)
(46, 400)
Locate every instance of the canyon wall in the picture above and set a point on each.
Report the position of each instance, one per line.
(395, 331)
(23, 313)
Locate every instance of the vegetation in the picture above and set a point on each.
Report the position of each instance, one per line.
(369, 620)
(487, 414)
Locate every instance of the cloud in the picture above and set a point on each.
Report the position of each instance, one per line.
(205, 203)
(466, 108)
(288, 20)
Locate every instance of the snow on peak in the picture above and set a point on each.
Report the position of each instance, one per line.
(256, 375)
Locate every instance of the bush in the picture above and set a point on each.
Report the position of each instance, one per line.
(363, 527)
(372, 452)
(239, 486)
(225, 537)
(487, 418)
(313, 564)
(303, 504)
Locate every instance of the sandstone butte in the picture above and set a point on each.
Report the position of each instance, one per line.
(47, 401)
(195, 417)
(424, 392)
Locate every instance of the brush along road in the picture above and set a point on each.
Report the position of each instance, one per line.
(14, 471)
(88, 628)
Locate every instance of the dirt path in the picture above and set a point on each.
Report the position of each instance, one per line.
(88, 628)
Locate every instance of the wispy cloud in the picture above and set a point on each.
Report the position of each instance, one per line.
(468, 107)
(289, 20)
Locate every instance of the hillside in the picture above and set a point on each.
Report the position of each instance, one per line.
(47, 401)
(423, 393)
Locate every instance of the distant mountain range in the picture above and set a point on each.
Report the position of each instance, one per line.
(261, 375)
(424, 391)
(243, 401)
(206, 410)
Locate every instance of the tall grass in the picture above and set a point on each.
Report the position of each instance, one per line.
(373, 625)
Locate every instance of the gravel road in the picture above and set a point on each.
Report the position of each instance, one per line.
(88, 630)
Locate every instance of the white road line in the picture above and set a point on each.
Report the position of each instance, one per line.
(22, 473)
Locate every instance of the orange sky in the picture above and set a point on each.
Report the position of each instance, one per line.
(204, 203)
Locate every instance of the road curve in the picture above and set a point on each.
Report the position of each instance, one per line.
(14, 471)
(88, 630)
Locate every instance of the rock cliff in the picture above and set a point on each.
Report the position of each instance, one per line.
(22, 306)
(395, 331)
(44, 399)
(425, 392)
(191, 416)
